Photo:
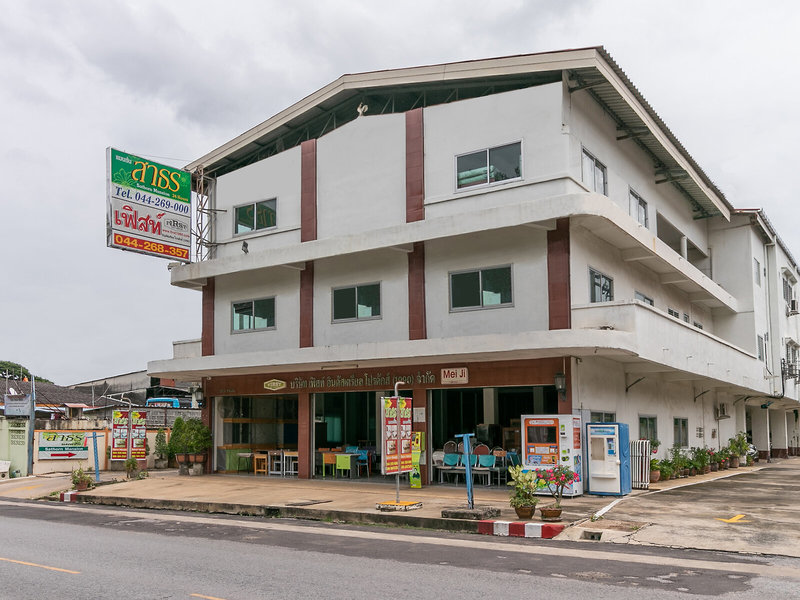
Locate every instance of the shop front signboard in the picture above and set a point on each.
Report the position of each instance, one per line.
(63, 445)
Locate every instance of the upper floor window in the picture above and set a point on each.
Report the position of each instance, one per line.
(642, 298)
(757, 271)
(603, 417)
(674, 313)
(761, 348)
(480, 288)
(357, 302)
(594, 174)
(250, 315)
(491, 165)
(601, 287)
(639, 208)
(681, 432)
(787, 289)
(698, 324)
(255, 216)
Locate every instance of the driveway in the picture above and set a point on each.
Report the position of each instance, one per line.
(755, 512)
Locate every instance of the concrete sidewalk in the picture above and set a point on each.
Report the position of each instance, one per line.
(352, 501)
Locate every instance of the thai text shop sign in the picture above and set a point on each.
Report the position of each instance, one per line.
(148, 206)
(128, 428)
(63, 445)
(396, 422)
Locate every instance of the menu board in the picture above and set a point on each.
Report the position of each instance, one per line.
(396, 422)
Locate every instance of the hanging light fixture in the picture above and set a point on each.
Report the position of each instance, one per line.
(561, 384)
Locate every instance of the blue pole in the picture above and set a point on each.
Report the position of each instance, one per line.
(467, 466)
(96, 461)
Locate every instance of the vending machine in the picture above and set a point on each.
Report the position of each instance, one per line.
(550, 440)
(609, 459)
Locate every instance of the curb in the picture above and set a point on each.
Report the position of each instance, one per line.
(68, 496)
(519, 529)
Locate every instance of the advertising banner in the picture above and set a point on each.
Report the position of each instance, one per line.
(63, 445)
(128, 428)
(396, 424)
(148, 206)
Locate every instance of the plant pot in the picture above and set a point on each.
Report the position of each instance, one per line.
(524, 512)
(706, 469)
(734, 462)
(182, 458)
(82, 486)
(160, 463)
(198, 459)
(692, 471)
(550, 513)
(714, 466)
(655, 476)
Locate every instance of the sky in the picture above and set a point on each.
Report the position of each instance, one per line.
(171, 81)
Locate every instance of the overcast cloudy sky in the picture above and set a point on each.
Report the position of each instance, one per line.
(173, 80)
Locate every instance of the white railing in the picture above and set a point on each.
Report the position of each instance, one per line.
(640, 464)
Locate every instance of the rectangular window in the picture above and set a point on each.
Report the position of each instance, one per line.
(757, 271)
(483, 288)
(256, 216)
(250, 315)
(601, 287)
(357, 302)
(647, 428)
(760, 344)
(594, 174)
(491, 165)
(686, 318)
(638, 208)
(698, 324)
(642, 298)
(674, 313)
(787, 290)
(681, 432)
(603, 417)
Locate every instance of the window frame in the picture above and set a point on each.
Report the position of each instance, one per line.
(252, 302)
(757, 271)
(788, 289)
(643, 298)
(650, 420)
(674, 313)
(596, 164)
(636, 203)
(592, 286)
(761, 348)
(255, 228)
(356, 287)
(603, 414)
(486, 151)
(680, 429)
(480, 272)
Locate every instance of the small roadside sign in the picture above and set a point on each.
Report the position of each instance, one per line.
(63, 445)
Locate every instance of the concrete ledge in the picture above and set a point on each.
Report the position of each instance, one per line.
(520, 529)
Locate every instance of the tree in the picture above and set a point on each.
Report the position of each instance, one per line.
(15, 371)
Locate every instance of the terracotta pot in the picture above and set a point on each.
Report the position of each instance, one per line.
(82, 486)
(734, 462)
(655, 476)
(524, 512)
(550, 513)
(198, 458)
(182, 458)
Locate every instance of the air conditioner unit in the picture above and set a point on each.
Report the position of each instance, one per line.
(793, 309)
(721, 411)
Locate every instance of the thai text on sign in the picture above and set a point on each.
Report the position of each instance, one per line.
(397, 435)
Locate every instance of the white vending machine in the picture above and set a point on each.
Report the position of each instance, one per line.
(609, 467)
(550, 440)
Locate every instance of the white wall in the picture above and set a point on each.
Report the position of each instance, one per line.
(283, 284)
(387, 267)
(523, 248)
(275, 177)
(361, 169)
(531, 115)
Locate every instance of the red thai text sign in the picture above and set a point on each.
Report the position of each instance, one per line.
(396, 423)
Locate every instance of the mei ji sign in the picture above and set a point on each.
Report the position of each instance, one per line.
(396, 422)
(148, 206)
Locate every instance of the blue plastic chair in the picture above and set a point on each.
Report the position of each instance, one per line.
(485, 467)
(363, 461)
(449, 464)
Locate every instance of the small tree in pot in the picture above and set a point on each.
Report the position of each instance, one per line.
(199, 439)
(523, 497)
(162, 450)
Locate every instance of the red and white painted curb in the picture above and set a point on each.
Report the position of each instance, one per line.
(520, 529)
(68, 496)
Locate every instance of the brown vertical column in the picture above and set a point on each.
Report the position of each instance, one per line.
(417, 328)
(207, 319)
(565, 404)
(308, 190)
(307, 306)
(558, 276)
(305, 454)
(415, 166)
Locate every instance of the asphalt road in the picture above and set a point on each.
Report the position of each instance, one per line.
(77, 551)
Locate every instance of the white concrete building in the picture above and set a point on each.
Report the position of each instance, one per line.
(511, 219)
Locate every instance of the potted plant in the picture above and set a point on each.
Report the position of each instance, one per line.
(723, 454)
(523, 497)
(131, 467)
(665, 467)
(162, 450)
(555, 480)
(179, 441)
(199, 440)
(680, 461)
(654, 444)
(81, 480)
(655, 470)
(738, 448)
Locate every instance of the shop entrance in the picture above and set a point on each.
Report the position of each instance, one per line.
(346, 422)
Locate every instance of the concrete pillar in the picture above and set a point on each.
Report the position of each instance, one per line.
(760, 423)
(684, 247)
(491, 408)
(793, 425)
(778, 433)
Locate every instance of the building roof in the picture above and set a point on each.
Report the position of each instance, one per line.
(399, 90)
(57, 398)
